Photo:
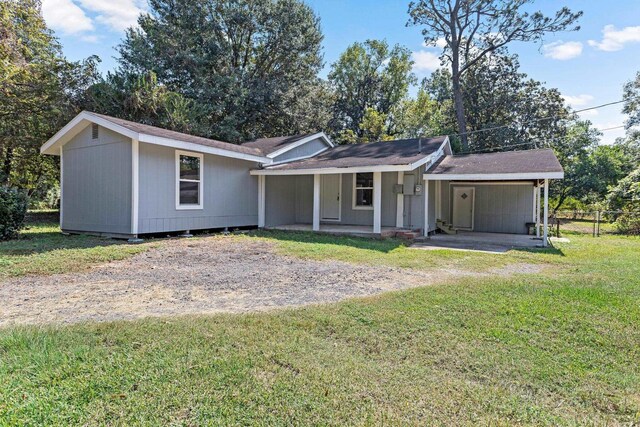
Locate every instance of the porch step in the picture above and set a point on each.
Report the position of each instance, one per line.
(408, 234)
(447, 228)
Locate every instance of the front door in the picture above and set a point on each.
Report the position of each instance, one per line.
(330, 197)
(463, 207)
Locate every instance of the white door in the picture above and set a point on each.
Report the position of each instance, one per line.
(463, 207)
(330, 197)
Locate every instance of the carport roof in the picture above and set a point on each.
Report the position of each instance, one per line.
(524, 164)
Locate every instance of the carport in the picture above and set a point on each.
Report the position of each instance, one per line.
(493, 192)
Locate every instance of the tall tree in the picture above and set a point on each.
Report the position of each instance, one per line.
(245, 62)
(369, 75)
(39, 91)
(473, 29)
(504, 108)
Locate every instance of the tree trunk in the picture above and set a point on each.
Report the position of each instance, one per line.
(6, 166)
(458, 103)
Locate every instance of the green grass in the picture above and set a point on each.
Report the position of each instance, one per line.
(42, 249)
(557, 348)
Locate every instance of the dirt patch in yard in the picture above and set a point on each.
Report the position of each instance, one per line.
(200, 276)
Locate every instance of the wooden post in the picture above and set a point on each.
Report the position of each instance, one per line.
(261, 200)
(377, 202)
(545, 231)
(400, 203)
(425, 231)
(598, 223)
(316, 202)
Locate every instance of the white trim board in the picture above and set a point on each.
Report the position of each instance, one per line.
(83, 119)
(299, 158)
(200, 182)
(135, 177)
(495, 176)
(303, 141)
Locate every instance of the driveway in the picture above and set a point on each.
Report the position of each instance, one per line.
(197, 276)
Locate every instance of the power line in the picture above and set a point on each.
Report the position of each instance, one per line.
(534, 142)
(542, 119)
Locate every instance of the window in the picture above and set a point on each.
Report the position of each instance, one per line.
(189, 180)
(363, 190)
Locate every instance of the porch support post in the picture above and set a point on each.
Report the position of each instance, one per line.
(538, 209)
(377, 202)
(425, 231)
(261, 200)
(316, 202)
(400, 203)
(546, 213)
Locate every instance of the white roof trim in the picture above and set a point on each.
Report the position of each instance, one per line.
(295, 159)
(83, 119)
(303, 141)
(494, 176)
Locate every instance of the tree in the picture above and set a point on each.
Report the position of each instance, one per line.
(369, 75)
(142, 99)
(424, 116)
(504, 108)
(250, 64)
(39, 91)
(473, 29)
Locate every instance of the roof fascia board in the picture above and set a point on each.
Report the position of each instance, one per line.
(84, 118)
(74, 127)
(190, 146)
(325, 171)
(494, 176)
(303, 141)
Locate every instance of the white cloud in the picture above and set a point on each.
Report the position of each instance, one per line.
(578, 100)
(65, 16)
(425, 61)
(561, 50)
(89, 38)
(116, 14)
(80, 16)
(441, 43)
(613, 39)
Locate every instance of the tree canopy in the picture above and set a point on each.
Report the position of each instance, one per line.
(39, 92)
(369, 80)
(473, 29)
(249, 65)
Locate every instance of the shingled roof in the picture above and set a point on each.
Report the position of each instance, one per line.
(178, 136)
(524, 162)
(382, 153)
(271, 145)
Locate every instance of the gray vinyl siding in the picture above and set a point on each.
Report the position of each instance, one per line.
(96, 183)
(304, 150)
(289, 200)
(230, 193)
(498, 208)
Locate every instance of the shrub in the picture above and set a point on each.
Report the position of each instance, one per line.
(13, 208)
(629, 223)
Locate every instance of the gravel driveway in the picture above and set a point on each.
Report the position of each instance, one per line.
(196, 276)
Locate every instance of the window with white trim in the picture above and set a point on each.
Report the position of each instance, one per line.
(363, 190)
(189, 180)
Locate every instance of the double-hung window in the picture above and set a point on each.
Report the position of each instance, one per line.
(189, 180)
(363, 190)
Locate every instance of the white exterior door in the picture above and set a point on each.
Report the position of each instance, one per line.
(330, 189)
(463, 199)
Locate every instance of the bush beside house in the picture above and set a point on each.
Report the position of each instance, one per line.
(13, 208)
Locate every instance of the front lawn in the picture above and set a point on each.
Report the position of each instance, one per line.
(42, 249)
(558, 348)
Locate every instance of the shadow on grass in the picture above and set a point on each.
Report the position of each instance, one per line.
(41, 235)
(550, 250)
(367, 243)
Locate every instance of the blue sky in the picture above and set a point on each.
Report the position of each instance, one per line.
(589, 66)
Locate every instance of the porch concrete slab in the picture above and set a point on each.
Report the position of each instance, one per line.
(339, 229)
(476, 241)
